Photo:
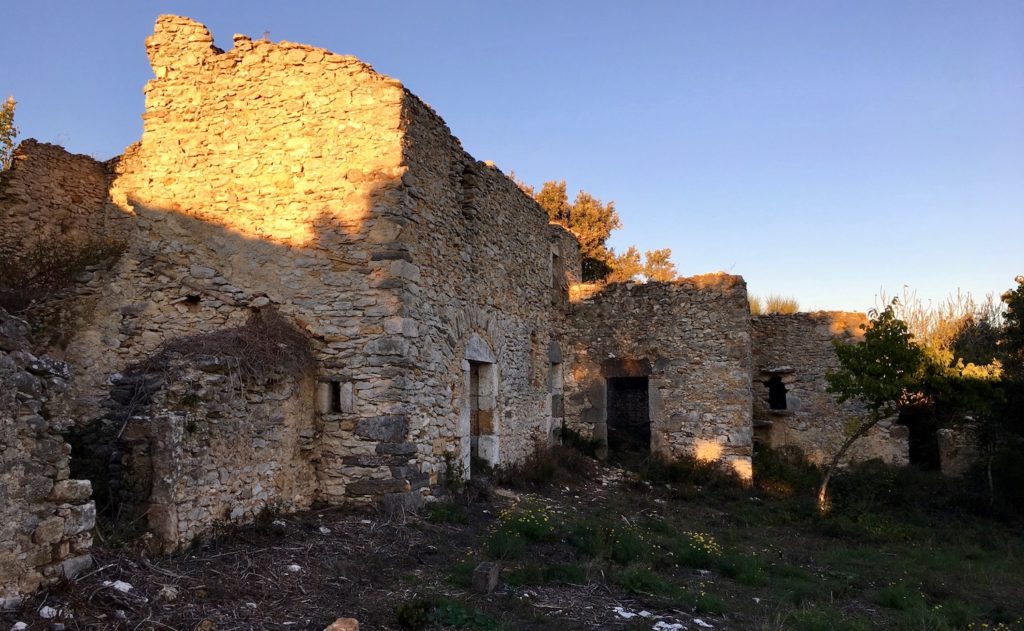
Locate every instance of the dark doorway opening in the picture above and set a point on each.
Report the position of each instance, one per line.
(776, 393)
(629, 418)
(923, 437)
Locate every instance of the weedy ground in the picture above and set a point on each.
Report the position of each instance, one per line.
(583, 545)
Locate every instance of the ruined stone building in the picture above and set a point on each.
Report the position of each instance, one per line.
(446, 322)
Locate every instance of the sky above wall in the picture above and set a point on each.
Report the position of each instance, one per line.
(823, 150)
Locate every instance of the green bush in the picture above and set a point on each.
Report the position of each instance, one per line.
(641, 579)
(627, 544)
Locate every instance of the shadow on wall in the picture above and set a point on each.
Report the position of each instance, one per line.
(181, 275)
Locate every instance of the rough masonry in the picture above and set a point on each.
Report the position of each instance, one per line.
(445, 319)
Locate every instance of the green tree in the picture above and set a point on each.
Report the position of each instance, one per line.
(658, 265)
(880, 371)
(587, 217)
(8, 132)
(626, 266)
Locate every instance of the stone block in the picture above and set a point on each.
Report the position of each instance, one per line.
(401, 503)
(376, 487)
(49, 531)
(71, 491)
(80, 519)
(396, 449)
(75, 566)
(485, 577)
(390, 428)
(344, 624)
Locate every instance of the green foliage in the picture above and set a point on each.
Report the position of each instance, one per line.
(587, 217)
(420, 613)
(446, 513)
(693, 473)
(880, 370)
(626, 266)
(656, 266)
(545, 465)
(574, 440)
(535, 574)
(532, 521)
(641, 579)
(8, 132)
(461, 573)
(824, 619)
(627, 544)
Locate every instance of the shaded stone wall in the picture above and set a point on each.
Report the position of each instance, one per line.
(797, 349)
(691, 339)
(490, 286)
(46, 518)
(49, 196)
(201, 446)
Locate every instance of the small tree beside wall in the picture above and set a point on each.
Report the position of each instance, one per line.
(878, 371)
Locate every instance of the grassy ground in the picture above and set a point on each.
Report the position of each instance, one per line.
(583, 546)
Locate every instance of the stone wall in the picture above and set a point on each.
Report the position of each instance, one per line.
(691, 340)
(796, 351)
(50, 196)
(46, 518)
(199, 444)
(490, 287)
(269, 174)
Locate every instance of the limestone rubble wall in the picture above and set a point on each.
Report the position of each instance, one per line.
(46, 518)
(268, 174)
(50, 196)
(797, 348)
(691, 339)
(210, 448)
(492, 283)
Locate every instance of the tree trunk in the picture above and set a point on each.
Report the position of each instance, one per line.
(823, 503)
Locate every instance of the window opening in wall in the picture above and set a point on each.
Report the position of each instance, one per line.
(629, 417)
(335, 404)
(776, 393)
(192, 302)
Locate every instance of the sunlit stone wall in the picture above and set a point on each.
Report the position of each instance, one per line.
(691, 339)
(269, 174)
(797, 350)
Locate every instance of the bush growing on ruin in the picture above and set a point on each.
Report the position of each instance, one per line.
(786, 305)
(8, 132)
(30, 277)
(266, 345)
(755, 305)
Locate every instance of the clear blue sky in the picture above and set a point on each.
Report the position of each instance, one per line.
(821, 149)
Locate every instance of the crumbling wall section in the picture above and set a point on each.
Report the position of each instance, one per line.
(50, 196)
(796, 350)
(202, 446)
(489, 284)
(46, 518)
(691, 339)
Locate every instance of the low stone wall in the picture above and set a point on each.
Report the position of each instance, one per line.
(45, 517)
(792, 354)
(202, 446)
(691, 339)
